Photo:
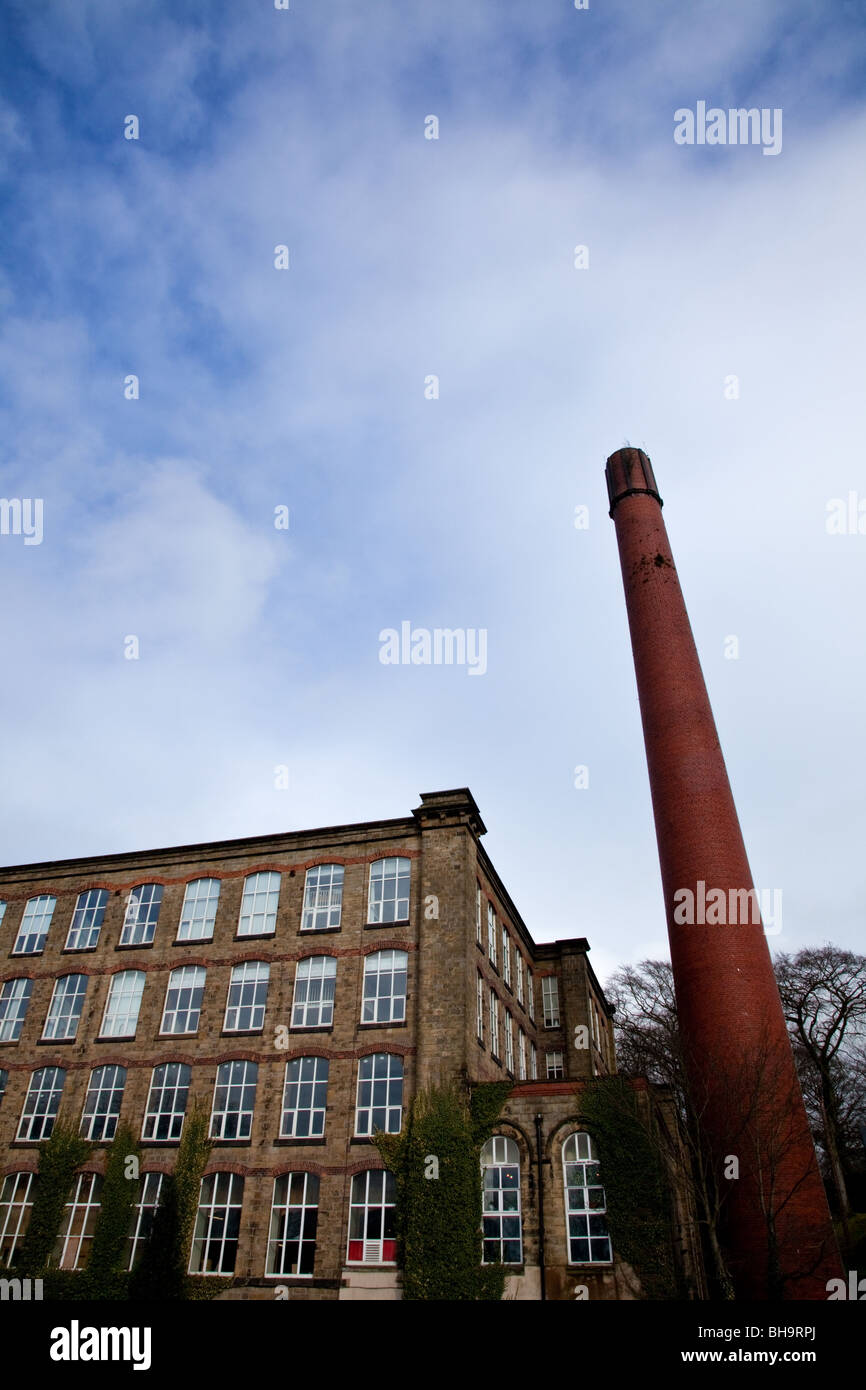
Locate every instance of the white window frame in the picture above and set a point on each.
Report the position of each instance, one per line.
(198, 914)
(15, 997)
(323, 897)
(87, 920)
(188, 983)
(217, 1224)
(506, 955)
(247, 997)
(305, 1097)
(37, 1120)
(555, 1063)
(500, 1155)
(381, 907)
(16, 1205)
(491, 934)
(318, 1011)
(76, 1236)
(234, 1100)
(382, 1209)
(585, 1201)
(509, 1043)
(144, 1212)
(372, 1068)
(102, 1103)
(35, 922)
(122, 1004)
(530, 994)
(142, 914)
(533, 1062)
(389, 967)
(260, 903)
(521, 1054)
(479, 1006)
(519, 972)
(494, 1024)
(174, 1080)
(66, 1007)
(298, 1216)
(479, 937)
(550, 1001)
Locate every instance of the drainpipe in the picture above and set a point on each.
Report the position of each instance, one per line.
(538, 1150)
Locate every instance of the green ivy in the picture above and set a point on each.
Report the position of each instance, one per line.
(59, 1157)
(161, 1272)
(635, 1180)
(105, 1276)
(436, 1165)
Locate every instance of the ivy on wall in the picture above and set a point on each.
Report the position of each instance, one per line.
(436, 1165)
(635, 1180)
(161, 1272)
(59, 1157)
(106, 1276)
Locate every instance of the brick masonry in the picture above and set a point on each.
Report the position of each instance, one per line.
(438, 1040)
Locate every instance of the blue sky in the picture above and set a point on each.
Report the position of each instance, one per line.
(305, 388)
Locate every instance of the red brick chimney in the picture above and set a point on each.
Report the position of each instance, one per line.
(737, 1053)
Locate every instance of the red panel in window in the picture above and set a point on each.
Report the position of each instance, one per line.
(356, 1250)
(389, 1250)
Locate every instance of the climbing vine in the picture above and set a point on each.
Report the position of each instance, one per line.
(634, 1176)
(435, 1161)
(59, 1157)
(105, 1276)
(161, 1272)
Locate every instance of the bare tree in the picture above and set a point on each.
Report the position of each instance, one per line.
(824, 996)
(648, 1044)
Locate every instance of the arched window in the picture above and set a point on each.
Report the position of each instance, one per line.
(34, 926)
(380, 1094)
(585, 1207)
(41, 1104)
(218, 1223)
(305, 1098)
(198, 914)
(259, 905)
(389, 891)
(67, 1001)
(234, 1100)
(143, 1213)
(142, 914)
(372, 1235)
(247, 997)
(87, 920)
(294, 1217)
(166, 1103)
(16, 1204)
(183, 997)
(315, 984)
(500, 1166)
(120, 1018)
(385, 987)
(323, 897)
(14, 1002)
(102, 1103)
(72, 1247)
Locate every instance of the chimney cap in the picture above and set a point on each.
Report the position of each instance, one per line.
(629, 471)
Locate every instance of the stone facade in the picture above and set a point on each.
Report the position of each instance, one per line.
(451, 883)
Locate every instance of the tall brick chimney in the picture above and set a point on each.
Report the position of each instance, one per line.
(736, 1049)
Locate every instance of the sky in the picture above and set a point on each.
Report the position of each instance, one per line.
(426, 393)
